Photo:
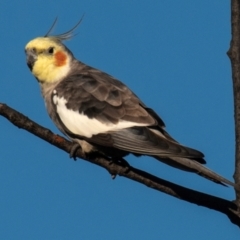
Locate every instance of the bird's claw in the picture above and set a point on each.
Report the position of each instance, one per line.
(73, 151)
(113, 176)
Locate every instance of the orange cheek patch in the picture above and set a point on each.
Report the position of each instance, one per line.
(60, 58)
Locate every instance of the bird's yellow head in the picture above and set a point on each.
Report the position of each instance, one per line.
(48, 58)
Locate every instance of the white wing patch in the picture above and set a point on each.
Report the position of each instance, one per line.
(80, 124)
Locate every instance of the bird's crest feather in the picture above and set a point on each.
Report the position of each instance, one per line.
(64, 36)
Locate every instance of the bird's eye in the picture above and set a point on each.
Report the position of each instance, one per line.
(51, 50)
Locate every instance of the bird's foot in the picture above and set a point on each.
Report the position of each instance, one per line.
(73, 151)
(121, 162)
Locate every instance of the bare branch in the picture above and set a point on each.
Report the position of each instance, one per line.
(234, 55)
(117, 168)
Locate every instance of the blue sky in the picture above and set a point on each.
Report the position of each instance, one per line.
(172, 54)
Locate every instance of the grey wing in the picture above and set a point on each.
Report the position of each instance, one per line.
(101, 97)
(145, 141)
(106, 99)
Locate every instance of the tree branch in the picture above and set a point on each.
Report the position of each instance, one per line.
(117, 168)
(234, 55)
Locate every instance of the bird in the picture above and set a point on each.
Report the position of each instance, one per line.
(100, 113)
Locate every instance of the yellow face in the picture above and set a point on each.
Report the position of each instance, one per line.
(48, 59)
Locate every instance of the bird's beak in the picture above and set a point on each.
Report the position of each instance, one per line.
(31, 58)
